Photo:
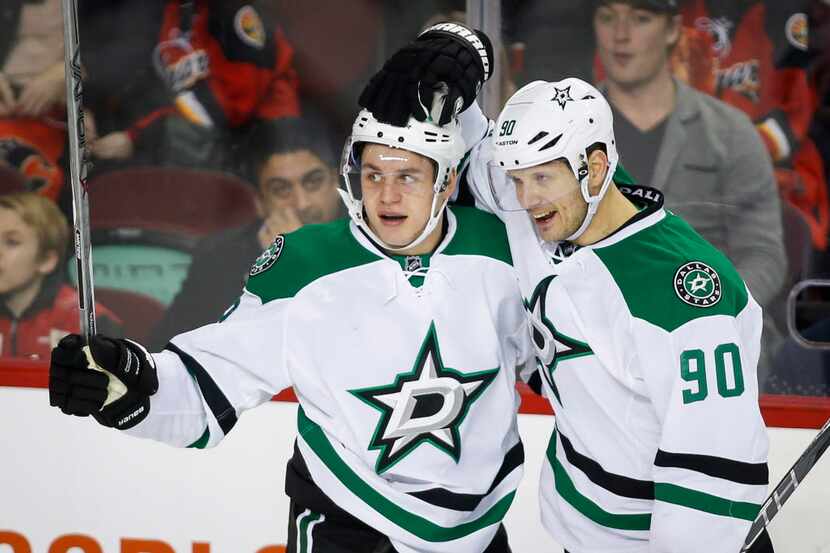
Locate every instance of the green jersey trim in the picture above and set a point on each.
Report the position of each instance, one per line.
(621, 176)
(306, 519)
(307, 254)
(424, 529)
(701, 501)
(645, 266)
(567, 491)
(478, 233)
(203, 440)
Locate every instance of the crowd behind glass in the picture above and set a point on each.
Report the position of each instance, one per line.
(213, 127)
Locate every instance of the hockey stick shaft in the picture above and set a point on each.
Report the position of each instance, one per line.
(788, 484)
(78, 167)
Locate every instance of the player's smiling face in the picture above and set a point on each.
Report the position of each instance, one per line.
(550, 194)
(397, 195)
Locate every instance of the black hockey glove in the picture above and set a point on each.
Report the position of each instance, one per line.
(447, 53)
(113, 385)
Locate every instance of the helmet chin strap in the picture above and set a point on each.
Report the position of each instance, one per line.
(355, 208)
(593, 202)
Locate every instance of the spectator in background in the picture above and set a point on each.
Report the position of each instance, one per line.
(223, 67)
(38, 308)
(293, 166)
(120, 82)
(710, 161)
(759, 59)
(32, 93)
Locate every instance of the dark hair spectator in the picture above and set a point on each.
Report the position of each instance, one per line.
(296, 179)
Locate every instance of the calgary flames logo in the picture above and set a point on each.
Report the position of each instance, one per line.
(36, 170)
(249, 27)
(796, 29)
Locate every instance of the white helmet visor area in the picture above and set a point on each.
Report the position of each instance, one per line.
(528, 189)
(397, 168)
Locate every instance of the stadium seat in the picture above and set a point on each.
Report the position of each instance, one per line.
(170, 200)
(138, 312)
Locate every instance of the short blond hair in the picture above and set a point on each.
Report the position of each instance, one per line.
(41, 213)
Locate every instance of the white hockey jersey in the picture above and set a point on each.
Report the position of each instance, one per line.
(647, 343)
(404, 370)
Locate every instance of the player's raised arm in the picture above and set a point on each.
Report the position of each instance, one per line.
(457, 60)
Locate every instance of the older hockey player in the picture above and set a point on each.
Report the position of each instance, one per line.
(400, 331)
(646, 337)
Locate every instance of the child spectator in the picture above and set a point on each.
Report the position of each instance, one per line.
(37, 308)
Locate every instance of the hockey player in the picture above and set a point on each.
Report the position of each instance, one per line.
(646, 338)
(400, 332)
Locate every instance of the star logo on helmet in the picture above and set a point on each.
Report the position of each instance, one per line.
(563, 96)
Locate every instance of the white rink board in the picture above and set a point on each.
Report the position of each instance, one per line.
(64, 475)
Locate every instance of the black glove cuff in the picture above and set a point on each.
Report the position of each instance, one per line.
(475, 40)
(125, 412)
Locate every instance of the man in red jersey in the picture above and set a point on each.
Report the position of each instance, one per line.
(223, 66)
(759, 58)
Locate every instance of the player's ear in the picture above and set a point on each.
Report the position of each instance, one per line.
(597, 168)
(675, 26)
(48, 262)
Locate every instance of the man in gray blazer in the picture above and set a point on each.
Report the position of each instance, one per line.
(703, 154)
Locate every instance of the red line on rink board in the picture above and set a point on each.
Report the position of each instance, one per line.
(779, 411)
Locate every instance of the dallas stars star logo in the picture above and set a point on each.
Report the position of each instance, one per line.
(563, 96)
(552, 347)
(426, 405)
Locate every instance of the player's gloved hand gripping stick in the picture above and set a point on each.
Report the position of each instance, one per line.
(110, 379)
(448, 53)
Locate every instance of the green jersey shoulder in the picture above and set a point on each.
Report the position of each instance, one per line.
(670, 275)
(478, 233)
(295, 260)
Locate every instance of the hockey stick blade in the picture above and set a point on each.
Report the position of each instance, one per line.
(785, 488)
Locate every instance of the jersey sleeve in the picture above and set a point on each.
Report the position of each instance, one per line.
(210, 375)
(476, 128)
(710, 472)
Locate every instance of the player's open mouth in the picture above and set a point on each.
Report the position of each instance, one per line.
(392, 220)
(544, 217)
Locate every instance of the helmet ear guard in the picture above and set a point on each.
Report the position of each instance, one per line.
(444, 146)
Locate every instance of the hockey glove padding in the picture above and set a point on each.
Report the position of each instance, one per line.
(447, 53)
(111, 379)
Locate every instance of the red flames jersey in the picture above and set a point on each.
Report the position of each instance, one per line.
(34, 147)
(224, 65)
(758, 57)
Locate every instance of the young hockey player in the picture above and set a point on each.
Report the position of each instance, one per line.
(400, 331)
(646, 338)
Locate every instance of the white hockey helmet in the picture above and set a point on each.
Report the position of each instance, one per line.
(544, 121)
(443, 145)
